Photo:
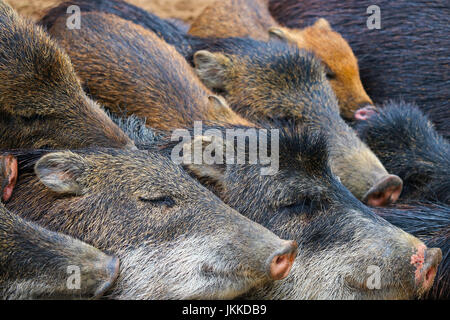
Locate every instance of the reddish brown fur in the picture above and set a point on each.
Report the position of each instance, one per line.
(234, 18)
(246, 18)
(33, 260)
(8, 176)
(338, 57)
(42, 103)
(130, 69)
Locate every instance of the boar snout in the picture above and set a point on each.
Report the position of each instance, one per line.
(384, 192)
(426, 262)
(365, 112)
(102, 274)
(280, 263)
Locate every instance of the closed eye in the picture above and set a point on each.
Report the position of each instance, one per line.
(329, 73)
(159, 201)
(305, 206)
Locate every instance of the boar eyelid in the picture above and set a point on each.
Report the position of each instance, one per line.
(164, 200)
(329, 73)
(306, 205)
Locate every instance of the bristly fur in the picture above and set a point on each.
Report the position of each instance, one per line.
(265, 81)
(279, 56)
(429, 222)
(305, 143)
(34, 260)
(26, 159)
(114, 203)
(414, 67)
(129, 68)
(172, 33)
(274, 81)
(249, 18)
(423, 219)
(408, 145)
(135, 128)
(298, 145)
(298, 66)
(42, 104)
(237, 18)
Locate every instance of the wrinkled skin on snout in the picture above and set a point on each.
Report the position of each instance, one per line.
(174, 238)
(42, 103)
(407, 143)
(431, 223)
(36, 263)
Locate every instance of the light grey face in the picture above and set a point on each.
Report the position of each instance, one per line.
(349, 253)
(341, 240)
(36, 263)
(305, 201)
(163, 225)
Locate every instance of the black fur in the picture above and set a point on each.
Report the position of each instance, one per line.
(429, 222)
(406, 59)
(408, 145)
(165, 29)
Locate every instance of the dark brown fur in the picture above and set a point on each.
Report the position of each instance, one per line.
(174, 238)
(271, 81)
(407, 143)
(34, 261)
(304, 200)
(42, 103)
(234, 18)
(130, 70)
(248, 18)
(406, 59)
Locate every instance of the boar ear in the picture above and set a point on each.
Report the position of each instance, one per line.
(212, 169)
(212, 174)
(219, 104)
(221, 111)
(211, 68)
(322, 23)
(8, 178)
(278, 33)
(61, 171)
(294, 36)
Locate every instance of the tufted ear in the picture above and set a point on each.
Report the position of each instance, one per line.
(211, 174)
(278, 33)
(8, 176)
(211, 68)
(203, 156)
(61, 172)
(322, 23)
(293, 36)
(219, 105)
